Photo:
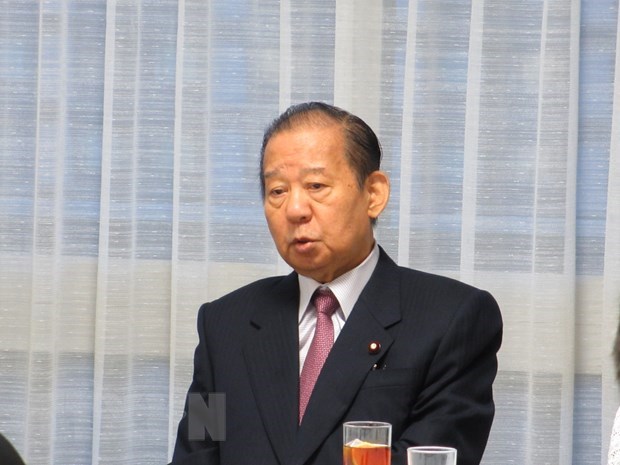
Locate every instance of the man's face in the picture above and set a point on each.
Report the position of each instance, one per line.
(317, 214)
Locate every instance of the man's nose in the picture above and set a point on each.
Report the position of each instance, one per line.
(298, 206)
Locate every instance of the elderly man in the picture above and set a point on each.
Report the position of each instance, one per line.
(348, 335)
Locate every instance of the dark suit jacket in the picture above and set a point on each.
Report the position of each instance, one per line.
(432, 379)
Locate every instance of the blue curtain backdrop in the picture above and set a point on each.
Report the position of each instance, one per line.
(129, 140)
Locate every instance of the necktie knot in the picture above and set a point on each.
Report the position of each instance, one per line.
(325, 301)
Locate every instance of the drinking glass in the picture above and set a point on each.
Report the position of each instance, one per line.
(431, 455)
(367, 443)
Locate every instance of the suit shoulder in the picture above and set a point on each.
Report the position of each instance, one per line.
(431, 278)
(425, 287)
(439, 286)
(441, 301)
(250, 290)
(240, 301)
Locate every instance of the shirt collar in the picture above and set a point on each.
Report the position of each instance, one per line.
(347, 287)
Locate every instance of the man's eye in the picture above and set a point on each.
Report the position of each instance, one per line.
(277, 191)
(315, 186)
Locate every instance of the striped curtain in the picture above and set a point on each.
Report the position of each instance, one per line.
(129, 140)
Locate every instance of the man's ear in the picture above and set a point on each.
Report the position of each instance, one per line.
(378, 188)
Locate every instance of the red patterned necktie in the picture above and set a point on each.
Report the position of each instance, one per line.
(326, 304)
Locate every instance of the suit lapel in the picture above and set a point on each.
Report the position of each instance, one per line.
(271, 355)
(350, 359)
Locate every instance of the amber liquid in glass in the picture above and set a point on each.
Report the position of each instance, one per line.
(367, 455)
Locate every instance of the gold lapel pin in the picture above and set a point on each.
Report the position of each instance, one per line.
(374, 348)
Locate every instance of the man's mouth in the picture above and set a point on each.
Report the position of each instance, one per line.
(302, 242)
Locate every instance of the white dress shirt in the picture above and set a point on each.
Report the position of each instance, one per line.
(613, 457)
(347, 289)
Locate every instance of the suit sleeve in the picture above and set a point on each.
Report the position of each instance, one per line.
(455, 407)
(195, 447)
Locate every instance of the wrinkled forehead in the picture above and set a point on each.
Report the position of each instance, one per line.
(298, 123)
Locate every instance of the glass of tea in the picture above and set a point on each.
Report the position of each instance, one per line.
(367, 443)
(431, 455)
